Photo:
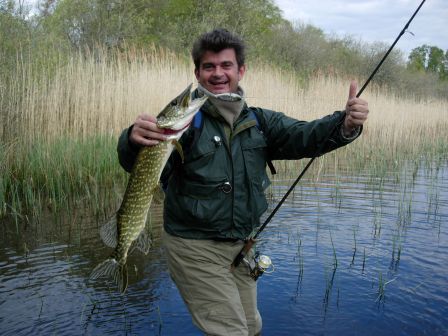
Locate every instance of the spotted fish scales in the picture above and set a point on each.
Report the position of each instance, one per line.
(127, 228)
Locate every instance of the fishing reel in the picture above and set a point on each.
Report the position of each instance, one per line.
(258, 265)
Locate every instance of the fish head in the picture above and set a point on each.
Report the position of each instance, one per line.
(178, 114)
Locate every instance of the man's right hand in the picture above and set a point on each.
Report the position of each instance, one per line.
(145, 131)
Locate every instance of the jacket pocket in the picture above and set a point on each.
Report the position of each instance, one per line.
(199, 155)
(203, 164)
(198, 190)
(204, 205)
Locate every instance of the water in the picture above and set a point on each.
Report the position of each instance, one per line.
(352, 256)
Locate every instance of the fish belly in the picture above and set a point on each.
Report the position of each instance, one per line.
(143, 181)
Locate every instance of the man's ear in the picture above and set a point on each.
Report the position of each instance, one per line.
(196, 73)
(241, 72)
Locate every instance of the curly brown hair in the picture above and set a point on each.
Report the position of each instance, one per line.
(217, 40)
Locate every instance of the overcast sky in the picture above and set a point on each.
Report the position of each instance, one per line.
(374, 20)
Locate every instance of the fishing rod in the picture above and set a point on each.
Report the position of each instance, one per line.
(256, 270)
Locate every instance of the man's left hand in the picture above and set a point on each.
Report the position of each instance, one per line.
(356, 111)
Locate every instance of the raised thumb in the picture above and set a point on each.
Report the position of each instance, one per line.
(353, 89)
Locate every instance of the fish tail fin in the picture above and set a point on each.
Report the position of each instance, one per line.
(112, 269)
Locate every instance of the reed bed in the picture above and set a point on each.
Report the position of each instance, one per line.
(60, 126)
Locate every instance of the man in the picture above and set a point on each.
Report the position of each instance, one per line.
(215, 198)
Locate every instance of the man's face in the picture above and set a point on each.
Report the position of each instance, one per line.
(219, 72)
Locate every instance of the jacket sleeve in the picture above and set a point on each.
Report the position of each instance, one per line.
(293, 139)
(127, 152)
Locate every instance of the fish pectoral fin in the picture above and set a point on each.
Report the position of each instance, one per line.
(178, 147)
(184, 97)
(108, 232)
(158, 195)
(143, 242)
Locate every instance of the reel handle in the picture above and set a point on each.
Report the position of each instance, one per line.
(244, 251)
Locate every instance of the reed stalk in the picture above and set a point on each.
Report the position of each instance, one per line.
(60, 123)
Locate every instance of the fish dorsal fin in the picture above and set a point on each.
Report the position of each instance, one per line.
(178, 147)
(108, 232)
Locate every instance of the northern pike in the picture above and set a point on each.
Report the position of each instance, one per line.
(128, 226)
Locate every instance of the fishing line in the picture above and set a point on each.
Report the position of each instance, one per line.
(319, 151)
(252, 239)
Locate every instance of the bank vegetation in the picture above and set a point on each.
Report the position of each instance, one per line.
(75, 73)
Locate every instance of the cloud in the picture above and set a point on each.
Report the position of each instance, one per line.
(374, 20)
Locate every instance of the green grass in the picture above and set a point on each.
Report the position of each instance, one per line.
(59, 175)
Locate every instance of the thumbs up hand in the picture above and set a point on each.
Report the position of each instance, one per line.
(356, 111)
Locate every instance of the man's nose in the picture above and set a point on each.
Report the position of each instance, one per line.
(218, 71)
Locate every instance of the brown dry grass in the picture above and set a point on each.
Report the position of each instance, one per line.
(100, 94)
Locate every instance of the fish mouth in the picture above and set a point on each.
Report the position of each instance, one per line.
(179, 113)
(173, 131)
(183, 119)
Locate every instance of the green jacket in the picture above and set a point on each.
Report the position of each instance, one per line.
(218, 192)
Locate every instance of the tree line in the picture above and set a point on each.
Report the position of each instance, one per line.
(429, 59)
(57, 28)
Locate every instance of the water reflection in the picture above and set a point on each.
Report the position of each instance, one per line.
(353, 255)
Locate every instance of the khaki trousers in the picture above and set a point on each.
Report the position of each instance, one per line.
(220, 302)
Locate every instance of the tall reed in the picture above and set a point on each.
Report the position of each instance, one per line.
(60, 125)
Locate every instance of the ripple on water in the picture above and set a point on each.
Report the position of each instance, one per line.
(384, 233)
